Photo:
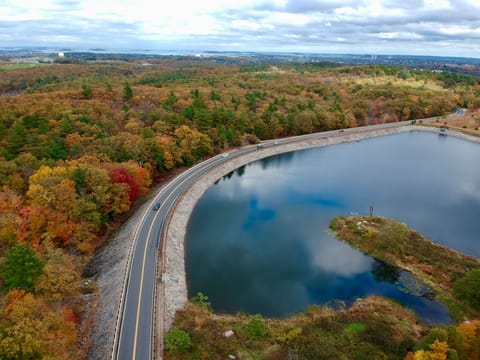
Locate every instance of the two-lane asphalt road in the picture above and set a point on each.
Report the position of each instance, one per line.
(135, 328)
(134, 333)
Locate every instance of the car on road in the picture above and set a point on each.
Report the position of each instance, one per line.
(225, 155)
(156, 207)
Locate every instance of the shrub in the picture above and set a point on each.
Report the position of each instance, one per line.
(252, 139)
(285, 336)
(355, 328)
(380, 335)
(366, 351)
(177, 341)
(435, 334)
(467, 288)
(202, 300)
(319, 344)
(256, 328)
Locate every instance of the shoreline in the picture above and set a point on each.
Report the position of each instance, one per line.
(111, 260)
(174, 275)
(394, 243)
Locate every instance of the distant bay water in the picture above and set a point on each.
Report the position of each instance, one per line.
(258, 240)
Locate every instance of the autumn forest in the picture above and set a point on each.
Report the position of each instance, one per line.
(80, 144)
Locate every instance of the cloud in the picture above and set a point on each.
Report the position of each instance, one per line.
(304, 6)
(440, 27)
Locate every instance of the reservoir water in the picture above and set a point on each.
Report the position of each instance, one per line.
(258, 240)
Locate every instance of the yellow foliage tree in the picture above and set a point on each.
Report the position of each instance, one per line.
(32, 329)
(438, 351)
(51, 187)
(169, 148)
(60, 277)
(470, 333)
(192, 144)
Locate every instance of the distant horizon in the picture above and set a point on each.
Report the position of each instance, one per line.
(448, 28)
(193, 52)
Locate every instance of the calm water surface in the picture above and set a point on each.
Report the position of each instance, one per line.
(258, 240)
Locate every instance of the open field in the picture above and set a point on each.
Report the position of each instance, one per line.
(19, 65)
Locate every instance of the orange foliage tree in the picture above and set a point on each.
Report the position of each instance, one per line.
(33, 329)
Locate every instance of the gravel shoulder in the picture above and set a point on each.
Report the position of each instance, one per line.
(111, 260)
(109, 264)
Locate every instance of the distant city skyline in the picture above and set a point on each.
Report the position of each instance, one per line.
(411, 27)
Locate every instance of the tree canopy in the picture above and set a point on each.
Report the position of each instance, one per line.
(21, 268)
(81, 143)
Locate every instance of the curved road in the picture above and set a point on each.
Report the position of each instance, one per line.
(134, 333)
(135, 328)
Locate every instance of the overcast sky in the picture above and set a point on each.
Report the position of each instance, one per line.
(428, 27)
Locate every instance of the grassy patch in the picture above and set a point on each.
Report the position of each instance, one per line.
(355, 328)
(371, 326)
(19, 66)
(468, 124)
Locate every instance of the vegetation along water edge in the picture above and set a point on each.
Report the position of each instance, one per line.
(83, 145)
(454, 277)
(372, 328)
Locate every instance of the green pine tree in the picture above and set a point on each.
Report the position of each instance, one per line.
(21, 268)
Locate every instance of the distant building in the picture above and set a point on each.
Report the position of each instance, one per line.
(61, 54)
(45, 60)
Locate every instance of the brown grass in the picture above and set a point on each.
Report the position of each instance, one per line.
(373, 325)
(394, 243)
(468, 124)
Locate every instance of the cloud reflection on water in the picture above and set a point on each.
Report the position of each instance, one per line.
(262, 234)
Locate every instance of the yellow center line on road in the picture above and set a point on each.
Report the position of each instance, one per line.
(144, 261)
(141, 288)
